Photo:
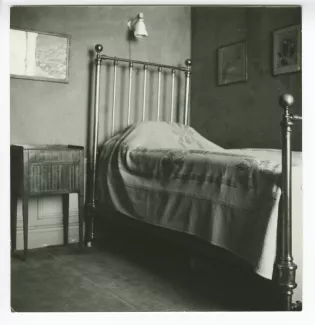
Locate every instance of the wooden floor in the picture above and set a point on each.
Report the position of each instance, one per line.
(135, 276)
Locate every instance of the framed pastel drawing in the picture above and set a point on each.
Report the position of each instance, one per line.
(232, 63)
(39, 55)
(287, 50)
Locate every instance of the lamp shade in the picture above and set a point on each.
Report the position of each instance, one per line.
(137, 26)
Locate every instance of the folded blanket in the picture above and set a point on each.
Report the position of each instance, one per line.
(168, 175)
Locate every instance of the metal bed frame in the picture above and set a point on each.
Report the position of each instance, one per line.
(285, 266)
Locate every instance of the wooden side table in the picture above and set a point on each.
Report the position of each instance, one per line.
(38, 170)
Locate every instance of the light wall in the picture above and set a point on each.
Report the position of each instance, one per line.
(51, 113)
(57, 113)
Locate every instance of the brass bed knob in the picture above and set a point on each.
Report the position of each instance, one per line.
(188, 63)
(98, 48)
(286, 100)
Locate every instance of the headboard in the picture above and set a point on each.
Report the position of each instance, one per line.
(115, 61)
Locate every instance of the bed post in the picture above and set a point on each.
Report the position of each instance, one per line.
(187, 88)
(91, 204)
(285, 265)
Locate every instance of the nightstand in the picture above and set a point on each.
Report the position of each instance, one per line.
(38, 170)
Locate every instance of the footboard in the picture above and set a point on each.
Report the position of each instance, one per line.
(285, 266)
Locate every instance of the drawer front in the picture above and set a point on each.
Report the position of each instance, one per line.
(55, 177)
(53, 156)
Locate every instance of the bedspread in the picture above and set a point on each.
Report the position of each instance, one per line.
(168, 175)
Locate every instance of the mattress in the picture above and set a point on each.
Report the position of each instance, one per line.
(168, 175)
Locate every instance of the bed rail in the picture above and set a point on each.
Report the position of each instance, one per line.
(285, 265)
(115, 60)
(145, 65)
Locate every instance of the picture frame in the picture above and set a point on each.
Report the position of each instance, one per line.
(232, 63)
(39, 56)
(287, 50)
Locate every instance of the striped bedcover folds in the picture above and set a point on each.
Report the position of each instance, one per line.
(168, 175)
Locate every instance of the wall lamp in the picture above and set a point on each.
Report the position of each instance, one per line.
(137, 27)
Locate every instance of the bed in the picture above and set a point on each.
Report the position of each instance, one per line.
(165, 174)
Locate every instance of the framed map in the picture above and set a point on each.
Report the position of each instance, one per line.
(39, 56)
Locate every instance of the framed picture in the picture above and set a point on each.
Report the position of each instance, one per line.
(39, 56)
(287, 50)
(232, 63)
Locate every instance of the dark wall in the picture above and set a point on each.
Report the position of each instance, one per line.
(244, 114)
(48, 112)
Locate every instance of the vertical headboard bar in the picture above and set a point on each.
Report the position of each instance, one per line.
(145, 67)
(159, 93)
(114, 97)
(187, 87)
(172, 96)
(129, 92)
(98, 60)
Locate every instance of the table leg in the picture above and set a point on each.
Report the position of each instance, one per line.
(25, 223)
(81, 217)
(13, 220)
(65, 211)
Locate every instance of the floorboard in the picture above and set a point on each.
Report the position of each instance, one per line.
(121, 278)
